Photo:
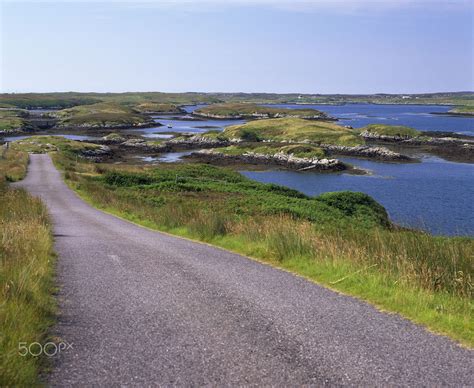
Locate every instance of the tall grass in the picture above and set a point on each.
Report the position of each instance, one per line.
(26, 283)
(13, 164)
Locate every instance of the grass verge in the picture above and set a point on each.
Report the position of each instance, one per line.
(27, 305)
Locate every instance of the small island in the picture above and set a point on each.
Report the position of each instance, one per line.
(99, 116)
(158, 108)
(229, 111)
(463, 111)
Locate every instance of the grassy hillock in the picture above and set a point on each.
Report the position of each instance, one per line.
(391, 130)
(13, 120)
(156, 107)
(294, 129)
(343, 240)
(245, 110)
(298, 150)
(100, 115)
(27, 305)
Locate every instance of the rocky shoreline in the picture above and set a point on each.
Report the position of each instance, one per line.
(278, 159)
(257, 115)
(442, 139)
(365, 151)
(101, 126)
(457, 114)
(201, 142)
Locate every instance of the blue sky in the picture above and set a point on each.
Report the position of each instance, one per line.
(318, 46)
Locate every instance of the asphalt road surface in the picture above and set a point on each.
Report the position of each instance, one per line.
(143, 308)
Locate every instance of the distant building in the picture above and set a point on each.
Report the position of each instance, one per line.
(405, 97)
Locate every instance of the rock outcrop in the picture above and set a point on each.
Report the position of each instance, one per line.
(368, 135)
(96, 154)
(258, 115)
(145, 146)
(279, 159)
(198, 141)
(365, 151)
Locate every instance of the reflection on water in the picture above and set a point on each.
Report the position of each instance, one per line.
(435, 195)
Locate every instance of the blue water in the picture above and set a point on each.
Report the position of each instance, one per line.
(435, 195)
(191, 108)
(70, 137)
(187, 126)
(416, 116)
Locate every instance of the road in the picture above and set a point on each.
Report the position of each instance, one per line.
(144, 308)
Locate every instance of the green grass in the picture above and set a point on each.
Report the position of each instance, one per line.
(298, 150)
(342, 240)
(252, 110)
(27, 306)
(467, 109)
(71, 99)
(296, 130)
(13, 164)
(100, 115)
(156, 107)
(43, 144)
(12, 120)
(391, 130)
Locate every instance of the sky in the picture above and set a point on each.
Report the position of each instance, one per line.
(282, 46)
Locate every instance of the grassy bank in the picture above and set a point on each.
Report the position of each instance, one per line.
(26, 276)
(341, 240)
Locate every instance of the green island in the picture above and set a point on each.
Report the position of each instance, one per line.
(398, 131)
(157, 108)
(99, 115)
(252, 111)
(467, 110)
(294, 129)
